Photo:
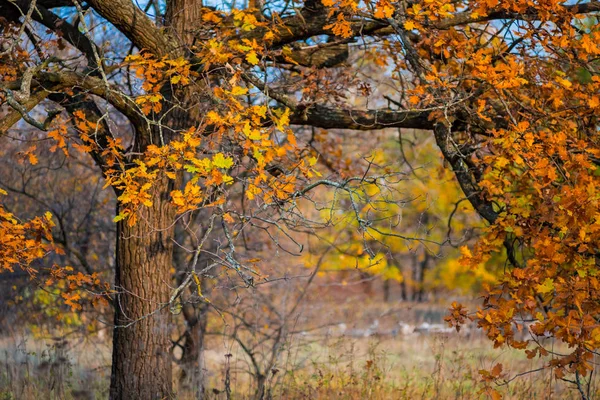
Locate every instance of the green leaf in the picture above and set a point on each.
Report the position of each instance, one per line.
(546, 286)
(220, 161)
(583, 75)
(120, 217)
(190, 168)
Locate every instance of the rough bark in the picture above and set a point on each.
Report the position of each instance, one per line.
(130, 20)
(184, 18)
(338, 118)
(141, 363)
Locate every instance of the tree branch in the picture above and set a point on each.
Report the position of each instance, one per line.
(136, 26)
(364, 120)
(532, 14)
(21, 111)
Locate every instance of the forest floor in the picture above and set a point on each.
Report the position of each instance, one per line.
(361, 350)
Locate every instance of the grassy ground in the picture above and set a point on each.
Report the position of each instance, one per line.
(338, 347)
(413, 367)
(430, 366)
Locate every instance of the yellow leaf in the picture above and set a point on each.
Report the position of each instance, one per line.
(546, 286)
(220, 161)
(211, 17)
(214, 117)
(269, 36)
(501, 162)
(466, 252)
(252, 58)
(120, 217)
(409, 25)
(227, 179)
(252, 134)
(284, 119)
(177, 198)
(566, 83)
(384, 9)
(239, 91)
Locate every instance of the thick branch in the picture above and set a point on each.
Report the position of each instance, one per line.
(308, 24)
(136, 26)
(464, 176)
(324, 55)
(96, 86)
(21, 110)
(340, 118)
(70, 33)
(532, 14)
(364, 120)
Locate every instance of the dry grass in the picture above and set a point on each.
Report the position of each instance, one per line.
(413, 367)
(320, 364)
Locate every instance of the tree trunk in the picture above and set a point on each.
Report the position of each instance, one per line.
(193, 371)
(192, 362)
(141, 362)
(421, 284)
(386, 291)
(403, 290)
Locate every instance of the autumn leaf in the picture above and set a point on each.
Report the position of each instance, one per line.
(252, 58)
(33, 160)
(239, 91)
(120, 217)
(220, 161)
(409, 25)
(546, 286)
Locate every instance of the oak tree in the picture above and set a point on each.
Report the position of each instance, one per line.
(184, 107)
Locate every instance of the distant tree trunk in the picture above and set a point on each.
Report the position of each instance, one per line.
(141, 362)
(423, 265)
(403, 290)
(415, 276)
(261, 381)
(193, 375)
(367, 283)
(192, 361)
(386, 290)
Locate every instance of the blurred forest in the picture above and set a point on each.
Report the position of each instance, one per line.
(319, 287)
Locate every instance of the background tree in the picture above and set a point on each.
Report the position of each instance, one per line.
(422, 198)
